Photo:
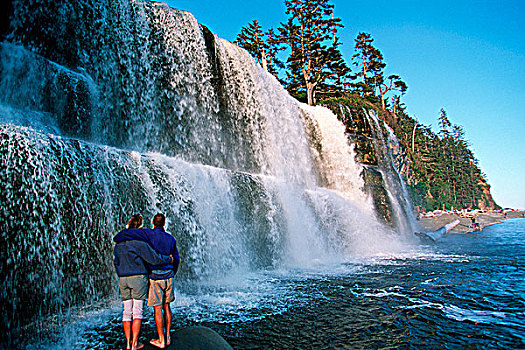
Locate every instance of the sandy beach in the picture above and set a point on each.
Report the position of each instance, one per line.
(484, 219)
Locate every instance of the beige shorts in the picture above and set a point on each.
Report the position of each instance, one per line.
(160, 292)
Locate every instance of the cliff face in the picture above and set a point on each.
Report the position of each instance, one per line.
(487, 202)
(378, 150)
(377, 147)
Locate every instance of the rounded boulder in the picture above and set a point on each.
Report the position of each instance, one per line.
(198, 338)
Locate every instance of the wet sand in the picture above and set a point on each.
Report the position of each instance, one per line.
(484, 219)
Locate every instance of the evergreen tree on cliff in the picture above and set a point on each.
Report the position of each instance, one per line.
(445, 168)
(371, 69)
(259, 45)
(310, 35)
(369, 60)
(391, 83)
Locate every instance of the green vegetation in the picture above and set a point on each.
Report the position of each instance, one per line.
(309, 42)
(443, 172)
(304, 55)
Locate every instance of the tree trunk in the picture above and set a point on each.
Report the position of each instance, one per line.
(364, 69)
(394, 106)
(414, 135)
(264, 61)
(310, 93)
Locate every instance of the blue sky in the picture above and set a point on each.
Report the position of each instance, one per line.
(467, 57)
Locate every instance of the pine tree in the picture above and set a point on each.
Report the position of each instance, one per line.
(369, 60)
(444, 124)
(394, 84)
(310, 35)
(443, 170)
(286, 39)
(260, 45)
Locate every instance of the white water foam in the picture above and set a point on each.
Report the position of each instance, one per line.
(342, 172)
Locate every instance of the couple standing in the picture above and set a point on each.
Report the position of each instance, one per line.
(143, 254)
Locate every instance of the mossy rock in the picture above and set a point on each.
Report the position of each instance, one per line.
(364, 150)
(375, 185)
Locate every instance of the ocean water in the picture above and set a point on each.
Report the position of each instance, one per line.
(465, 292)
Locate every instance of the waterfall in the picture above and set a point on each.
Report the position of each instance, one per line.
(337, 157)
(394, 184)
(140, 109)
(258, 102)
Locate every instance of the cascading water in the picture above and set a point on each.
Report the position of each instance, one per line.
(139, 109)
(394, 183)
(337, 157)
(402, 192)
(373, 150)
(256, 100)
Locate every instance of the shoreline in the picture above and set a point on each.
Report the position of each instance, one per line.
(484, 219)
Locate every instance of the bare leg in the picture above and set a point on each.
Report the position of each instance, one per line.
(167, 319)
(127, 333)
(137, 322)
(159, 322)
